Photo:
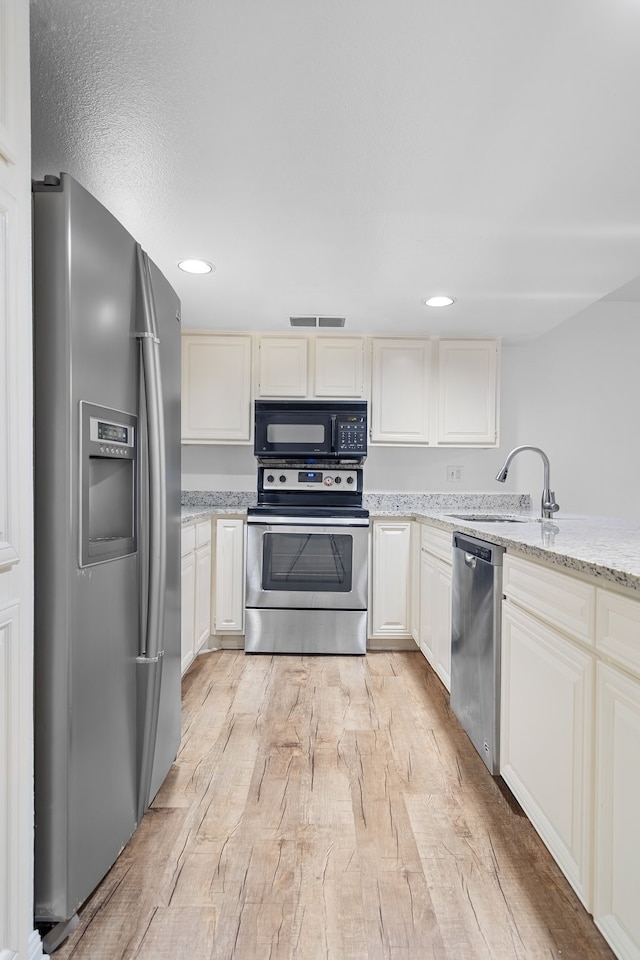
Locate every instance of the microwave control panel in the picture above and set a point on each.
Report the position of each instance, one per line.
(351, 435)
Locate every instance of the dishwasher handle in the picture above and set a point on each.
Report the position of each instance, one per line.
(470, 560)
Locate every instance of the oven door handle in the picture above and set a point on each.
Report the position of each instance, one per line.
(310, 521)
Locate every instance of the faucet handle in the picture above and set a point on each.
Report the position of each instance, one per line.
(549, 504)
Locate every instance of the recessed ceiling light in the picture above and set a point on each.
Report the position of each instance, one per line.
(439, 301)
(196, 266)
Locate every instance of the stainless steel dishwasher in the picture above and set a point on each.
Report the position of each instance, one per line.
(475, 643)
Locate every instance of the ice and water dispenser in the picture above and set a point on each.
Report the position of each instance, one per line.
(108, 457)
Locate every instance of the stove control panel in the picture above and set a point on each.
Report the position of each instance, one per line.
(318, 480)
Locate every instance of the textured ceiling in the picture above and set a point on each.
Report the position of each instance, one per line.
(351, 157)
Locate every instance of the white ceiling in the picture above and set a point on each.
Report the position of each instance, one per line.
(351, 157)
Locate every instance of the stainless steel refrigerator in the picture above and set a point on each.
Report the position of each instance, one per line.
(107, 553)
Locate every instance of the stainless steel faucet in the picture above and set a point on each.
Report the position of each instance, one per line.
(549, 505)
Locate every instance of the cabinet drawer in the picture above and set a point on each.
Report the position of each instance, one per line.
(439, 542)
(188, 539)
(203, 532)
(559, 599)
(618, 628)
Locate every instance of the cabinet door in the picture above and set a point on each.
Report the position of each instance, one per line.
(202, 603)
(617, 855)
(339, 367)
(428, 576)
(216, 388)
(442, 622)
(416, 543)
(400, 390)
(546, 739)
(467, 392)
(229, 576)
(188, 597)
(282, 367)
(391, 575)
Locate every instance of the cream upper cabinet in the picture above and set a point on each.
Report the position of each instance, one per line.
(216, 388)
(283, 367)
(339, 367)
(400, 391)
(390, 579)
(467, 392)
(308, 367)
(437, 392)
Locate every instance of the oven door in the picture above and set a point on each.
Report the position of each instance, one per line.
(303, 565)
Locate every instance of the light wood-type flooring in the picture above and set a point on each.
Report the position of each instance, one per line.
(330, 808)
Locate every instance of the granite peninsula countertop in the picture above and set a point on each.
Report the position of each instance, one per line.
(606, 548)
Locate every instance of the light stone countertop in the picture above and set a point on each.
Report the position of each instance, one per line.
(606, 548)
(603, 547)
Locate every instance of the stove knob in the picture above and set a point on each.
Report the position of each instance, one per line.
(328, 481)
(349, 479)
(270, 478)
(338, 479)
(282, 478)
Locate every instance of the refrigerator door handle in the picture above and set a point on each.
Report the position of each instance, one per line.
(151, 654)
(150, 356)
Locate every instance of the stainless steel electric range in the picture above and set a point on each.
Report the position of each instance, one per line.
(307, 560)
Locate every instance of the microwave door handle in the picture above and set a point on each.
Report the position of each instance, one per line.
(334, 433)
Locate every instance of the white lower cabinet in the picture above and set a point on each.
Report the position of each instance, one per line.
(228, 609)
(570, 731)
(195, 589)
(188, 597)
(617, 824)
(546, 739)
(416, 534)
(390, 591)
(435, 600)
(203, 584)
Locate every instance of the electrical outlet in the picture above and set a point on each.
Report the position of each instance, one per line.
(454, 474)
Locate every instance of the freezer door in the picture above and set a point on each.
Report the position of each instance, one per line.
(86, 619)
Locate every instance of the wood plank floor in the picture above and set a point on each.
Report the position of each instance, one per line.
(330, 808)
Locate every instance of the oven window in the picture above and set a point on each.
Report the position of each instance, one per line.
(318, 562)
(312, 433)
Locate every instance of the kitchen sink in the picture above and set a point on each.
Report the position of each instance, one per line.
(491, 518)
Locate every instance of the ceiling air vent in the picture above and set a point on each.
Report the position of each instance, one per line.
(302, 321)
(331, 321)
(317, 321)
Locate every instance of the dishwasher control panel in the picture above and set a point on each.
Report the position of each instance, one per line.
(490, 553)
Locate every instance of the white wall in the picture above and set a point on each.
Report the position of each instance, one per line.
(575, 392)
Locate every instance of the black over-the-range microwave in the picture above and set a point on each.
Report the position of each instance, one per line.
(311, 429)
